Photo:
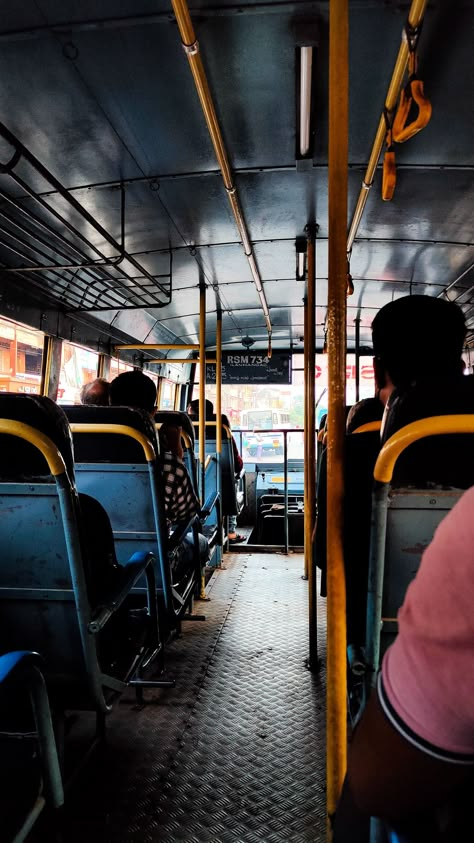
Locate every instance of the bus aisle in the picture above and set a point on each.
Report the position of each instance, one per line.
(236, 751)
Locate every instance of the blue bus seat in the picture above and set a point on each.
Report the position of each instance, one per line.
(447, 462)
(232, 501)
(178, 418)
(404, 518)
(61, 588)
(30, 775)
(212, 525)
(114, 468)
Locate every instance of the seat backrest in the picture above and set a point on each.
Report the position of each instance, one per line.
(228, 491)
(177, 418)
(106, 448)
(47, 581)
(432, 461)
(115, 469)
(404, 518)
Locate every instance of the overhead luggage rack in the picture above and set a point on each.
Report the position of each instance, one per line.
(45, 243)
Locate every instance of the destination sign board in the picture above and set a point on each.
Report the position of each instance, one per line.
(252, 367)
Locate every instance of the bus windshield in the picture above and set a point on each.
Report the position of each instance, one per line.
(257, 418)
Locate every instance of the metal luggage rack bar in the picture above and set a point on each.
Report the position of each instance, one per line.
(84, 277)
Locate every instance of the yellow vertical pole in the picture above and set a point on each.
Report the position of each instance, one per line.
(219, 380)
(218, 409)
(46, 364)
(336, 742)
(202, 388)
(310, 449)
(306, 365)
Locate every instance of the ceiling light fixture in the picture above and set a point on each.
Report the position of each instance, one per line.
(306, 65)
(306, 42)
(300, 258)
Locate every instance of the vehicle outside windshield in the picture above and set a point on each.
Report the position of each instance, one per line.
(257, 412)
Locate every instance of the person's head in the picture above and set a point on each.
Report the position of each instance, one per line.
(366, 410)
(133, 389)
(170, 439)
(193, 409)
(96, 392)
(415, 335)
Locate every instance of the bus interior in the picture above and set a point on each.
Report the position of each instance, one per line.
(222, 196)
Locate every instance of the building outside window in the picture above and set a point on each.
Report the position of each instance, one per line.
(21, 358)
(78, 367)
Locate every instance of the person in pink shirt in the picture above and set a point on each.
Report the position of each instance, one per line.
(413, 750)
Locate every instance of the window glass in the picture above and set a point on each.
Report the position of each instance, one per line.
(366, 381)
(258, 409)
(117, 366)
(78, 366)
(21, 357)
(168, 390)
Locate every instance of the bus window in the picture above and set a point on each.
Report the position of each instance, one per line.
(117, 367)
(279, 406)
(167, 394)
(21, 356)
(78, 366)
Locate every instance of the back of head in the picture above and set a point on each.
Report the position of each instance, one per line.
(133, 389)
(193, 409)
(366, 410)
(96, 392)
(416, 333)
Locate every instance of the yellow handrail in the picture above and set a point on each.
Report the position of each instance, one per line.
(193, 53)
(49, 450)
(400, 440)
(187, 440)
(368, 426)
(120, 429)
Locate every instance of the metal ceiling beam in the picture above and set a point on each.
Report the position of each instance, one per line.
(154, 181)
(191, 48)
(129, 21)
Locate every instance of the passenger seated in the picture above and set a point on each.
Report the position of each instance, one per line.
(134, 389)
(96, 392)
(365, 411)
(402, 332)
(193, 413)
(411, 760)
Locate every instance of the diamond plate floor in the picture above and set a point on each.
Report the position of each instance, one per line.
(235, 752)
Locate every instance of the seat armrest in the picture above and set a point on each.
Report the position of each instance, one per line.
(18, 661)
(131, 572)
(209, 505)
(179, 532)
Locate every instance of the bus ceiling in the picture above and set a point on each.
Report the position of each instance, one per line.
(113, 210)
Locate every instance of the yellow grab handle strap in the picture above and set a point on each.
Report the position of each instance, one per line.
(413, 92)
(402, 112)
(389, 175)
